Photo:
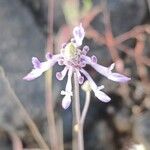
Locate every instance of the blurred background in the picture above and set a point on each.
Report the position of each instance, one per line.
(116, 31)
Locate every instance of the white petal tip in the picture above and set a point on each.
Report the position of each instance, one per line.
(102, 96)
(66, 104)
(28, 78)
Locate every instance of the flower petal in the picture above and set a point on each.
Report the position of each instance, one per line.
(66, 102)
(78, 33)
(99, 94)
(99, 68)
(40, 67)
(118, 77)
(69, 83)
(33, 74)
(102, 96)
(106, 71)
(68, 91)
(36, 63)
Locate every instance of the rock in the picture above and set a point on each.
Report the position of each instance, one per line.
(141, 130)
(39, 10)
(20, 40)
(123, 14)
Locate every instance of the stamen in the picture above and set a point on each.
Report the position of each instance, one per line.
(86, 48)
(61, 62)
(61, 75)
(48, 56)
(94, 59)
(80, 78)
(63, 45)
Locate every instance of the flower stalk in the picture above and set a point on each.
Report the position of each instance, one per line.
(77, 126)
(87, 103)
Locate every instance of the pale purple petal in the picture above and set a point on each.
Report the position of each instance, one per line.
(62, 74)
(40, 67)
(102, 96)
(68, 91)
(99, 94)
(36, 63)
(111, 67)
(44, 66)
(106, 71)
(99, 68)
(118, 77)
(69, 83)
(66, 102)
(78, 33)
(33, 74)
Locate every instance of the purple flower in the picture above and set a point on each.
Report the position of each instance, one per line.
(74, 60)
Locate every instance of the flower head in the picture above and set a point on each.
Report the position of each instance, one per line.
(74, 60)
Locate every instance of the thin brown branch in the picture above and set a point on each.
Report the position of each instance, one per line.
(138, 55)
(87, 19)
(110, 41)
(48, 82)
(30, 123)
(132, 33)
(16, 141)
(97, 37)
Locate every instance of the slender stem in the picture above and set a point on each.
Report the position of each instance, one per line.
(60, 131)
(50, 113)
(16, 141)
(48, 83)
(30, 123)
(50, 24)
(85, 109)
(79, 134)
